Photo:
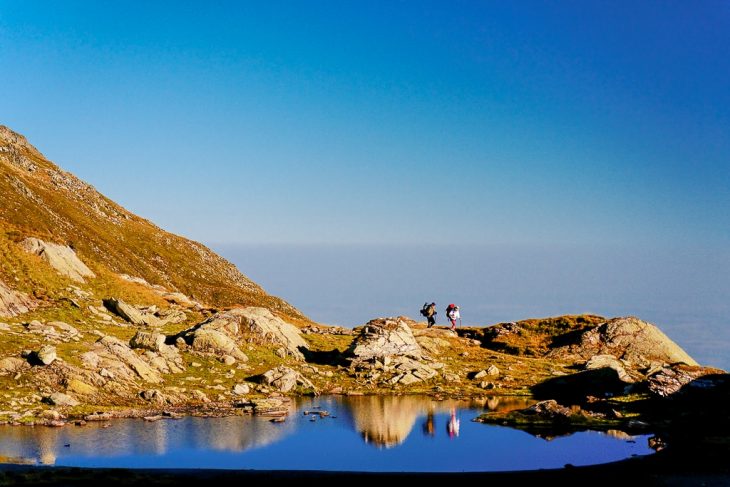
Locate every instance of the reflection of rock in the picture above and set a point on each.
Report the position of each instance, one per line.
(386, 421)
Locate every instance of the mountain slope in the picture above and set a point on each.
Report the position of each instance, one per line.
(38, 199)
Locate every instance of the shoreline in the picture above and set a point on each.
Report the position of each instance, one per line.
(661, 469)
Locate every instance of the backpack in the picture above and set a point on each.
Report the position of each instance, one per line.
(424, 310)
(450, 308)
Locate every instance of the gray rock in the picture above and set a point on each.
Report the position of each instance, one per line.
(671, 380)
(13, 303)
(216, 342)
(285, 379)
(384, 337)
(61, 399)
(119, 349)
(13, 365)
(130, 314)
(601, 361)
(60, 257)
(47, 354)
(147, 340)
(637, 343)
(250, 325)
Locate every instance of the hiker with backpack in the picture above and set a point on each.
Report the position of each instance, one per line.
(452, 313)
(429, 311)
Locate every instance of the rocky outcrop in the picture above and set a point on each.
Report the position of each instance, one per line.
(672, 379)
(128, 358)
(216, 342)
(635, 342)
(261, 327)
(611, 362)
(13, 303)
(285, 379)
(224, 332)
(60, 257)
(384, 337)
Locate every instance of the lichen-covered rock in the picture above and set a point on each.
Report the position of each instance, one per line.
(384, 337)
(60, 257)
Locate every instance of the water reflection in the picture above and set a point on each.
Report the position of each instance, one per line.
(344, 439)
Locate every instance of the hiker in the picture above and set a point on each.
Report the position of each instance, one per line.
(452, 313)
(429, 311)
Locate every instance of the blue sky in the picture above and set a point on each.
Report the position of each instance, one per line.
(385, 122)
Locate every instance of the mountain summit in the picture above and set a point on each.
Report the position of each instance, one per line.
(79, 235)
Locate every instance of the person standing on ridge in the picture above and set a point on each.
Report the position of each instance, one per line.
(453, 314)
(429, 311)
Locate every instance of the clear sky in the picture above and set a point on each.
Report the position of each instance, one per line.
(385, 122)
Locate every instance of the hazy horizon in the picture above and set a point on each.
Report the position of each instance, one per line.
(683, 293)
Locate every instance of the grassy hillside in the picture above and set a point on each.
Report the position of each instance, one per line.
(38, 199)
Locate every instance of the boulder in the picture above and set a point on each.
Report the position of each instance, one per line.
(383, 337)
(13, 365)
(252, 325)
(129, 313)
(13, 303)
(284, 379)
(670, 380)
(217, 343)
(147, 340)
(46, 355)
(601, 361)
(61, 399)
(119, 349)
(636, 343)
(60, 257)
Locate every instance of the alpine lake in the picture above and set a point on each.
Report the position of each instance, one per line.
(325, 433)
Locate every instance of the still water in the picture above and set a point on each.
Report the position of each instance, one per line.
(365, 433)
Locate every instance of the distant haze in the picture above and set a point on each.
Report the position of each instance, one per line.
(685, 293)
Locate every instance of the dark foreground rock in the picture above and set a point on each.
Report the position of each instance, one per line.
(655, 470)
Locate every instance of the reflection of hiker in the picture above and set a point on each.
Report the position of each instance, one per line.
(429, 311)
(452, 427)
(452, 313)
(429, 427)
